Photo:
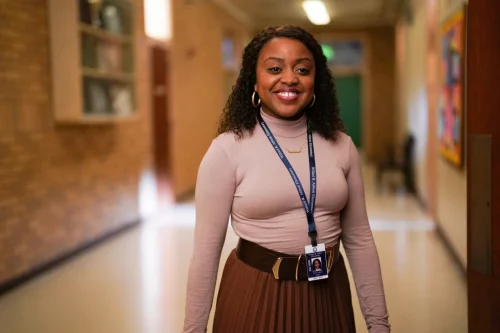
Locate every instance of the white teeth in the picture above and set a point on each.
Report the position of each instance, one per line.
(288, 94)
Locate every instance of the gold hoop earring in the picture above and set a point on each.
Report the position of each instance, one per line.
(253, 100)
(314, 101)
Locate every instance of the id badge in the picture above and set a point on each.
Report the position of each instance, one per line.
(317, 266)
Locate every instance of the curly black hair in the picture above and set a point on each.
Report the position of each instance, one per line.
(239, 115)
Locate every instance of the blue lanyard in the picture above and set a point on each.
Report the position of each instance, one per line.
(309, 207)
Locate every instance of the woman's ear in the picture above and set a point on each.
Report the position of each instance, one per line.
(255, 87)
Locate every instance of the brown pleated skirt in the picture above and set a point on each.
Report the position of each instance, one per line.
(252, 301)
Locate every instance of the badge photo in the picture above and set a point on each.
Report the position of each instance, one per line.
(317, 266)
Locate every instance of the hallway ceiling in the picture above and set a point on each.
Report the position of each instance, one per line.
(344, 13)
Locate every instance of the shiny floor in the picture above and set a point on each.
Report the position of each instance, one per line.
(136, 282)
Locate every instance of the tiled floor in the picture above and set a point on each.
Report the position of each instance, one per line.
(136, 282)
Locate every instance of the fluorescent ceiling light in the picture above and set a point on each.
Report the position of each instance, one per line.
(158, 19)
(316, 12)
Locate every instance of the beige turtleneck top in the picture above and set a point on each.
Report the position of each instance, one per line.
(244, 179)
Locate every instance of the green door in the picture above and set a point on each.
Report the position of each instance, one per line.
(349, 95)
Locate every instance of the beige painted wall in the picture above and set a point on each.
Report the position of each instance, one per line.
(401, 119)
(415, 93)
(450, 205)
(197, 81)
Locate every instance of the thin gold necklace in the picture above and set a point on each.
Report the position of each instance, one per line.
(293, 151)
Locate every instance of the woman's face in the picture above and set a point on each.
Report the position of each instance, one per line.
(316, 264)
(285, 77)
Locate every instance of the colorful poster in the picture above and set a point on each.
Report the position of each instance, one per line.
(451, 103)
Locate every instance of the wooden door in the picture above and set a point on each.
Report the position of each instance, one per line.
(160, 126)
(483, 165)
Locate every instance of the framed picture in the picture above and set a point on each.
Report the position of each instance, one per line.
(451, 95)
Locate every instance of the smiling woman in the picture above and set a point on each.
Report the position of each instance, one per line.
(285, 73)
(268, 56)
(287, 274)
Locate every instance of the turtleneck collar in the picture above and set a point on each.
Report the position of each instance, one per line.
(285, 128)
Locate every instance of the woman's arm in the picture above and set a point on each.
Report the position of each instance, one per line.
(214, 198)
(360, 248)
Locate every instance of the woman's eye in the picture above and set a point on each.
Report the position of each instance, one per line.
(303, 71)
(274, 69)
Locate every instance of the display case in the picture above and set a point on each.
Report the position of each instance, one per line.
(93, 60)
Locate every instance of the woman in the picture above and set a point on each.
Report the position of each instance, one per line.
(317, 264)
(281, 138)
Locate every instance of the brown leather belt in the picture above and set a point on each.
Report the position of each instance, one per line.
(282, 266)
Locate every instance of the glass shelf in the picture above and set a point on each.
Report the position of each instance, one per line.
(107, 98)
(105, 75)
(103, 34)
(93, 76)
(89, 119)
(107, 60)
(106, 54)
(109, 16)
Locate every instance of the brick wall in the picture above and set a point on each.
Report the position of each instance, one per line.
(60, 186)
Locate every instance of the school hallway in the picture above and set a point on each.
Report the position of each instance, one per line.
(136, 283)
(107, 108)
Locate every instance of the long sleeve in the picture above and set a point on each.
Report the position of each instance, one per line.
(361, 251)
(214, 197)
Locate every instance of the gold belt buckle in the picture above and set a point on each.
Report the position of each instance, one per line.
(276, 268)
(277, 264)
(329, 254)
(297, 268)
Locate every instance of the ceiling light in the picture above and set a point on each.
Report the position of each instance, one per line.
(316, 12)
(158, 19)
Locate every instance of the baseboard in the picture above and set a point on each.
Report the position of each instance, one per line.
(15, 282)
(420, 200)
(451, 250)
(444, 239)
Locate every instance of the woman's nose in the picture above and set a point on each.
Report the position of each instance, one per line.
(289, 77)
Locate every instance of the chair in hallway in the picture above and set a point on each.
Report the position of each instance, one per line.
(402, 165)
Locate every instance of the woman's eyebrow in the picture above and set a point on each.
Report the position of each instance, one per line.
(282, 60)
